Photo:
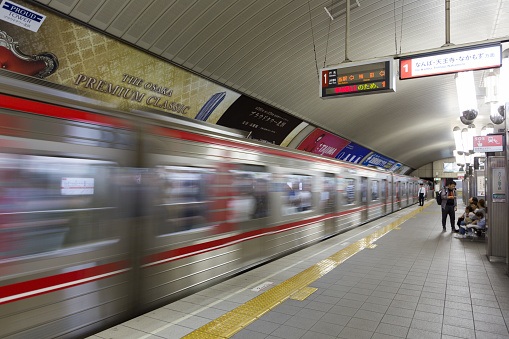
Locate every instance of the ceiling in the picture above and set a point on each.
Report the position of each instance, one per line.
(271, 50)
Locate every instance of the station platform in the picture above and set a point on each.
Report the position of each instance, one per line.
(397, 277)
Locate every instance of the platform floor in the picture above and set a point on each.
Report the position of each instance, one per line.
(396, 277)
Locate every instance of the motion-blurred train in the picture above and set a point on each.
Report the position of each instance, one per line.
(105, 215)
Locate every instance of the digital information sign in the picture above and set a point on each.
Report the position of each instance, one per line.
(357, 79)
(451, 61)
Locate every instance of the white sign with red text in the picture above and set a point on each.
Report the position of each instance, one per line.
(489, 143)
(77, 186)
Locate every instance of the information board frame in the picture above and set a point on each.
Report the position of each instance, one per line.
(354, 72)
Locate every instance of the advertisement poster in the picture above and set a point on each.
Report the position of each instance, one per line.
(498, 183)
(481, 188)
(61, 51)
(323, 143)
(353, 153)
(378, 160)
(396, 167)
(266, 124)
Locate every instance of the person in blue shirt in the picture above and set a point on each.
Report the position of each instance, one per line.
(480, 223)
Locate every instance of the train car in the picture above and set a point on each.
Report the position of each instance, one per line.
(107, 214)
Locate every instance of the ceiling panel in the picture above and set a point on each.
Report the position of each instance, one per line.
(107, 13)
(127, 17)
(271, 50)
(85, 10)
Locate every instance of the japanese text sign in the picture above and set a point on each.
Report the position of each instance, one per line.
(489, 143)
(451, 62)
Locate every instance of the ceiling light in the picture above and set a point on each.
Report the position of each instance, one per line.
(472, 132)
(467, 100)
(457, 138)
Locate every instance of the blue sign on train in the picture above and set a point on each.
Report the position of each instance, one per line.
(378, 160)
(353, 153)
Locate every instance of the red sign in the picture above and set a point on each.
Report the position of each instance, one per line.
(489, 143)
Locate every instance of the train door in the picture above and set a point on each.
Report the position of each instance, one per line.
(364, 199)
(248, 206)
(397, 194)
(390, 198)
(383, 196)
(328, 202)
(349, 188)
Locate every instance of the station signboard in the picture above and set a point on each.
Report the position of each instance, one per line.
(450, 61)
(489, 143)
(353, 79)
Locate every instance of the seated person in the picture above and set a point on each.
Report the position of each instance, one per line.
(466, 217)
(481, 206)
(480, 223)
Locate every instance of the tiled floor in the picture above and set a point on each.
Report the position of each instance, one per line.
(417, 283)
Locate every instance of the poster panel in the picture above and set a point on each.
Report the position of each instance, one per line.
(123, 77)
(379, 160)
(353, 153)
(323, 143)
(498, 185)
(266, 124)
(481, 188)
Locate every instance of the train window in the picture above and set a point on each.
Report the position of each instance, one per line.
(49, 203)
(250, 193)
(349, 189)
(183, 198)
(383, 189)
(364, 189)
(374, 190)
(328, 194)
(297, 195)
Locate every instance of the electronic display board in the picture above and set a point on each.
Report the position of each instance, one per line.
(352, 79)
(450, 61)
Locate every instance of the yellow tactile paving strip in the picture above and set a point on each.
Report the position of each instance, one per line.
(235, 320)
(303, 293)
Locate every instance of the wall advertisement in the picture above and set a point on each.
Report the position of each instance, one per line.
(379, 160)
(353, 153)
(323, 143)
(106, 69)
(266, 124)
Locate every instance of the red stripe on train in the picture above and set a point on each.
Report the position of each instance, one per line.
(57, 282)
(184, 252)
(62, 112)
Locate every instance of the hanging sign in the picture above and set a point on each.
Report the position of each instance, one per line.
(450, 61)
(489, 143)
(357, 79)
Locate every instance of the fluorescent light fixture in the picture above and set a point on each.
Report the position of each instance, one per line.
(467, 99)
(457, 139)
(503, 82)
(471, 134)
(464, 139)
(491, 83)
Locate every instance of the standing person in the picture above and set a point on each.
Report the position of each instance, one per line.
(449, 205)
(422, 192)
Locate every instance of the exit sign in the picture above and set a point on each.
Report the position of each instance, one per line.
(351, 79)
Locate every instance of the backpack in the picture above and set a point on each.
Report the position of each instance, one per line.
(439, 197)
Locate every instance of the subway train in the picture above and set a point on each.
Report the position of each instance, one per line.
(105, 215)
